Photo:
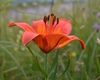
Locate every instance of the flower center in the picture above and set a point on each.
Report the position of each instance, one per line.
(52, 20)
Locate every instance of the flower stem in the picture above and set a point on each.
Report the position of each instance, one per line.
(45, 64)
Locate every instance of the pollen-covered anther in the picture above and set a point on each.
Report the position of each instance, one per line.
(52, 14)
(57, 20)
(44, 19)
(53, 20)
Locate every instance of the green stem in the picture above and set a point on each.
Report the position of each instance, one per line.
(43, 71)
(45, 64)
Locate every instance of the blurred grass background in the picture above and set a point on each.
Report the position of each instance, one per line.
(16, 62)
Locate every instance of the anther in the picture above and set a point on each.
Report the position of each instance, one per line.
(53, 20)
(44, 19)
(52, 14)
(57, 20)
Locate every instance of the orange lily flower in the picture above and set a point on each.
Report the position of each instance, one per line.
(47, 36)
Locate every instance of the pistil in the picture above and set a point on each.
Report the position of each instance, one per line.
(51, 20)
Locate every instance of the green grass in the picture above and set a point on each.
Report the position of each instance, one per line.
(17, 63)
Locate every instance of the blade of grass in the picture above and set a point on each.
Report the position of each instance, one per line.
(84, 71)
(54, 63)
(8, 42)
(33, 52)
(72, 67)
(55, 71)
(42, 69)
(39, 66)
(76, 24)
(79, 11)
(86, 43)
(65, 69)
(29, 68)
(97, 78)
(2, 65)
(93, 54)
(90, 6)
(11, 69)
(1, 73)
(87, 77)
(10, 54)
(98, 65)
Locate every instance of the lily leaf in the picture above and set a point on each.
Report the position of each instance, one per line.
(65, 69)
(31, 52)
(39, 65)
(41, 69)
(54, 64)
(53, 77)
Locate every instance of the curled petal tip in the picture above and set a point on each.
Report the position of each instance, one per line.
(82, 44)
(11, 24)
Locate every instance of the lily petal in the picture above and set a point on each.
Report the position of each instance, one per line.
(64, 26)
(22, 25)
(28, 36)
(41, 41)
(48, 43)
(39, 27)
(65, 41)
(54, 39)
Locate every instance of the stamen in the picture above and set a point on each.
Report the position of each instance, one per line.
(54, 20)
(44, 19)
(57, 20)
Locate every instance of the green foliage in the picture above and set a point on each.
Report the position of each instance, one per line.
(16, 62)
(53, 69)
(65, 69)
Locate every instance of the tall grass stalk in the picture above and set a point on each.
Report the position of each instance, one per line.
(93, 54)
(73, 69)
(1, 73)
(86, 43)
(98, 65)
(63, 67)
(10, 54)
